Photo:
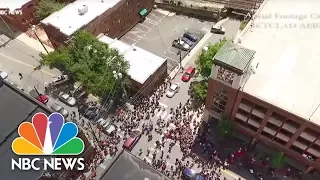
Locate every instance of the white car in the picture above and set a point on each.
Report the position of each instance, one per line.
(3, 75)
(58, 108)
(67, 99)
(173, 89)
(60, 79)
(218, 29)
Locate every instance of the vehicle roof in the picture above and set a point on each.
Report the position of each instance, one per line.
(189, 69)
(189, 171)
(56, 105)
(128, 142)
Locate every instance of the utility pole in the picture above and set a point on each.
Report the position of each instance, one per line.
(180, 58)
(34, 30)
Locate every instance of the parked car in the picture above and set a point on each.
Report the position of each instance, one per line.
(218, 29)
(60, 79)
(38, 96)
(58, 108)
(191, 174)
(135, 135)
(188, 41)
(3, 75)
(173, 89)
(188, 74)
(177, 43)
(104, 122)
(191, 36)
(67, 99)
(89, 112)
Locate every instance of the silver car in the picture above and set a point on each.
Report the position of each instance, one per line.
(66, 98)
(173, 89)
(59, 109)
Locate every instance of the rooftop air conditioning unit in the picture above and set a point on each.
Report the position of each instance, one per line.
(82, 10)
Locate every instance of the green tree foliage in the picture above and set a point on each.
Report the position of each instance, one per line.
(199, 92)
(46, 7)
(225, 128)
(90, 62)
(205, 59)
(277, 160)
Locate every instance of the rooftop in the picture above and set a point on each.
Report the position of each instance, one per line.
(142, 63)
(287, 56)
(128, 167)
(69, 20)
(234, 56)
(12, 4)
(15, 108)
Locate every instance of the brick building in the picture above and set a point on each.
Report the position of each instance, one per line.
(20, 13)
(271, 90)
(113, 18)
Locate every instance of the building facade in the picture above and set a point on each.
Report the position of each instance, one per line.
(261, 121)
(114, 22)
(20, 18)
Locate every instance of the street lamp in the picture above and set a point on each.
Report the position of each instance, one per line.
(34, 30)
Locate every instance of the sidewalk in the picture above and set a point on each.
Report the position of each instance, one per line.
(33, 43)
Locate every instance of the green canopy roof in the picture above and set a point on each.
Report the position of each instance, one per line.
(234, 56)
(143, 12)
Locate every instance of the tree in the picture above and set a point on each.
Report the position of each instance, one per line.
(204, 63)
(92, 63)
(225, 128)
(277, 160)
(205, 59)
(47, 7)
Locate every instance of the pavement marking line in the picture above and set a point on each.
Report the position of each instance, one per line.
(136, 34)
(156, 16)
(163, 105)
(103, 166)
(130, 38)
(145, 26)
(164, 115)
(159, 113)
(171, 52)
(23, 63)
(140, 30)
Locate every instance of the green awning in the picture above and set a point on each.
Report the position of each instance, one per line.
(143, 12)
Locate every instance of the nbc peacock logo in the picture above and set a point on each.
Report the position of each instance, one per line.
(49, 136)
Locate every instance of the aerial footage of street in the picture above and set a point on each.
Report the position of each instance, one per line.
(194, 90)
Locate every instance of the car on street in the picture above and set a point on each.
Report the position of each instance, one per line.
(188, 74)
(67, 99)
(218, 29)
(178, 43)
(192, 37)
(3, 74)
(188, 41)
(104, 122)
(38, 96)
(89, 112)
(191, 174)
(59, 109)
(110, 128)
(60, 79)
(173, 89)
(133, 139)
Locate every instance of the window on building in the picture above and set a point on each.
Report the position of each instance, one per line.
(273, 127)
(296, 149)
(309, 135)
(225, 75)
(219, 101)
(290, 126)
(119, 21)
(127, 3)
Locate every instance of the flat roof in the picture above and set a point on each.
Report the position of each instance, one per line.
(12, 4)
(142, 63)
(284, 36)
(15, 107)
(128, 167)
(68, 20)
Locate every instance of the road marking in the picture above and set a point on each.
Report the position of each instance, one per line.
(145, 26)
(159, 113)
(156, 16)
(139, 30)
(136, 34)
(171, 52)
(103, 166)
(164, 115)
(30, 66)
(130, 38)
(163, 105)
(153, 22)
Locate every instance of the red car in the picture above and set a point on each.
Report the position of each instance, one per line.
(188, 74)
(132, 140)
(40, 97)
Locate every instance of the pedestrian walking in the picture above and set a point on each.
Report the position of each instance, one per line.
(20, 74)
